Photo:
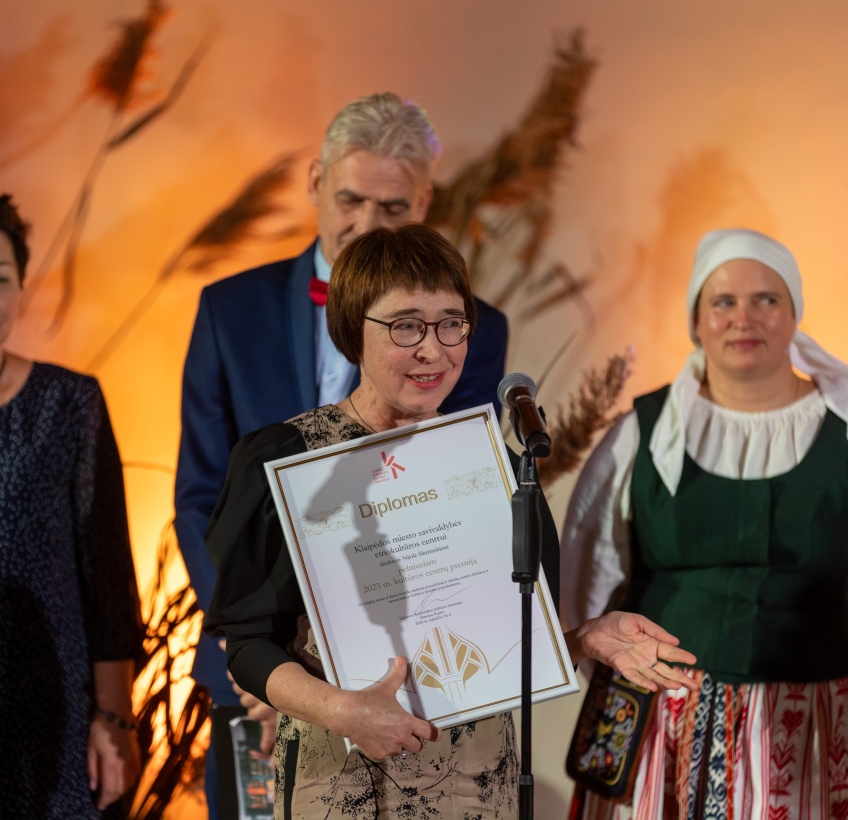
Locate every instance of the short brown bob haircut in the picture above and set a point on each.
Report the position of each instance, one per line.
(409, 257)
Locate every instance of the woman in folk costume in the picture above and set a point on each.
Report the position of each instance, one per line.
(718, 508)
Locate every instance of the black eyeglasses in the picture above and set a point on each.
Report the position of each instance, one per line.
(450, 331)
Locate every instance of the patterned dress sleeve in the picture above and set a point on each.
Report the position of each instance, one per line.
(108, 586)
(256, 600)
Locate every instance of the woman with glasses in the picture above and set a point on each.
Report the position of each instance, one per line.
(399, 306)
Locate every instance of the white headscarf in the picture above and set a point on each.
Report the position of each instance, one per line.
(668, 440)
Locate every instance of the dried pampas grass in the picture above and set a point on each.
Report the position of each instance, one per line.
(221, 235)
(588, 412)
(506, 193)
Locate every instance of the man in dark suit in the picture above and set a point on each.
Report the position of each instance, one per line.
(260, 352)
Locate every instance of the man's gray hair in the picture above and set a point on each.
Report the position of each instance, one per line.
(386, 126)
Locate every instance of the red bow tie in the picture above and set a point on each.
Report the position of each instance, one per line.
(318, 291)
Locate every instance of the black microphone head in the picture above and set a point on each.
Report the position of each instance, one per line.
(515, 380)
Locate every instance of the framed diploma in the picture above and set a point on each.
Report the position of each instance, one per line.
(402, 545)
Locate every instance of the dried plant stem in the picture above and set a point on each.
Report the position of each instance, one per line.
(166, 736)
(114, 78)
(589, 411)
(70, 221)
(139, 309)
(507, 192)
(72, 245)
(228, 227)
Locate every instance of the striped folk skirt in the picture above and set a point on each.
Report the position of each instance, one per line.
(776, 751)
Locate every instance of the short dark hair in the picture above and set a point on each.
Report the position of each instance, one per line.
(17, 230)
(412, 257)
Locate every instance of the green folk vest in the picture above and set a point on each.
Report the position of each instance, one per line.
(751, 575)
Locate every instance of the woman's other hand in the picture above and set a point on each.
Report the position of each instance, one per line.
(373, 719)
(635, 647)
(114, 760)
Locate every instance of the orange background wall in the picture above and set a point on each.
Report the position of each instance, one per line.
(699, 116)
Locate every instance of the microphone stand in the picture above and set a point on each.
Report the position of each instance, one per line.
(526, 554)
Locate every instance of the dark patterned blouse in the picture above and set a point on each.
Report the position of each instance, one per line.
(68, 594)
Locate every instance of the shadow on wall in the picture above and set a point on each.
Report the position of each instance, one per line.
(702, 193)
(22, 126)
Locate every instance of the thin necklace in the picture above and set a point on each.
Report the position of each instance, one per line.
(365, 424)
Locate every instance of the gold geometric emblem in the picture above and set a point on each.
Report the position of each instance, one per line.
(447, 661)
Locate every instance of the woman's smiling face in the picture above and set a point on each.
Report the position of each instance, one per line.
(410, 383)
(745, 320)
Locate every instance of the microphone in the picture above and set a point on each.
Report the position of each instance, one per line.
(517, 392)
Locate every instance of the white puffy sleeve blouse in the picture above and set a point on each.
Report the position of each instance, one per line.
(730, 443)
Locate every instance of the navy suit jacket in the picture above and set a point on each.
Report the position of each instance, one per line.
(250, 363)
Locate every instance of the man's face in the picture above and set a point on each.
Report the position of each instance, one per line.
(362, 191)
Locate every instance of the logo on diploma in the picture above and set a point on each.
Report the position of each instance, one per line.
(389, 464)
